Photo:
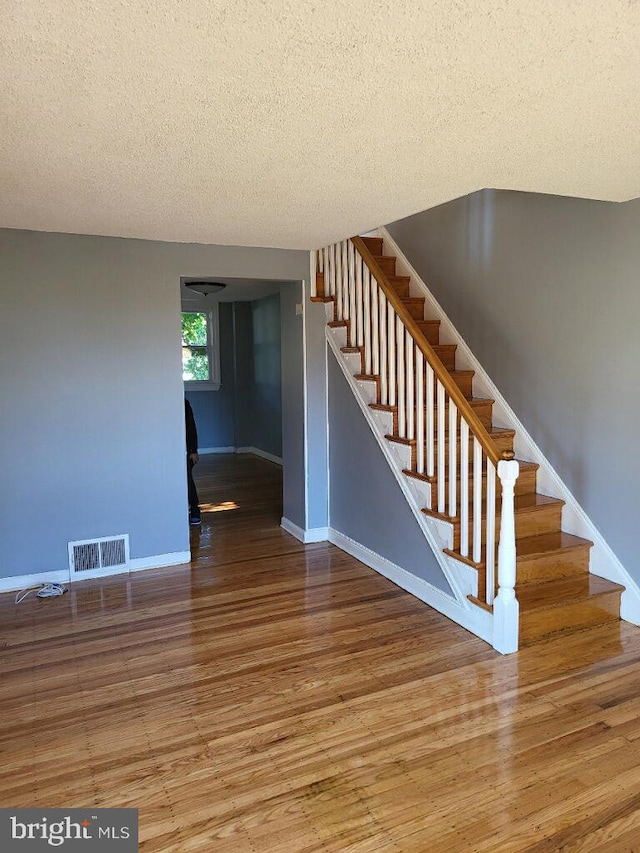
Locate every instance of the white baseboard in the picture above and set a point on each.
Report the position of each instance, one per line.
(312, 534)
(204, 451)
(475, 620)
(17, 582)
(263, 453)
(158, 561)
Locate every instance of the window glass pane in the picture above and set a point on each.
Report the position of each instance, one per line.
(194, 329)
(195, 364)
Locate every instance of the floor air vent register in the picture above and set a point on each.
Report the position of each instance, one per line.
(94, 558)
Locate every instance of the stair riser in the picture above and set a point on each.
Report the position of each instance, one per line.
(553, 566)
(525, 485)
(501, 444)
(401, 288)
(464, 383)
(373, 244)
(415, 308)
(431, 331)
(546, 519)
(569, 617)
(387, 264)
(447, 356)
(482, 411)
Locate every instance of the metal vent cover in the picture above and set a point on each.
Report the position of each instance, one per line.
(91, 558)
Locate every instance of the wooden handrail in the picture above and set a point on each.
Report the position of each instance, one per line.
(477, 427)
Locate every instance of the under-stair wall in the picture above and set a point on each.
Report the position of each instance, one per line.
(366, 503)
(545, 291)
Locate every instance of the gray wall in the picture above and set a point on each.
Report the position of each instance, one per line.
(91, 415)
(316, 402)
(214, 411)
(246, 411)
(546, 292)
(243, 374)
(366, 502)
(292, 362)
(266, 410)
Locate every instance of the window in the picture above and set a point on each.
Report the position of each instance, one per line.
(201, 350)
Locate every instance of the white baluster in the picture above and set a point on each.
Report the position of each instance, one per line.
(490, 542)
(420, 436)
(506, 607)
(345, 280)
(391, 352)
(441, 447)
(353, 320)
(375, 336)
(381, 320)
(453, 458)
(327, 283)
(320, 260)
(430, 408)
(401, 377)
(317, 269)
(360, 302)
(366, 281)
(411, 388)
(338, 262)
(464, 488)
(477, 501)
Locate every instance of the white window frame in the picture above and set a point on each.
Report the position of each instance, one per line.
(213, 349)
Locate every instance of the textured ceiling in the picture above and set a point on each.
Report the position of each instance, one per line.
(295, 122)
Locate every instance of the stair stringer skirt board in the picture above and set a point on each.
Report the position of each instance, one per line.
(438, 534)
(603, 562)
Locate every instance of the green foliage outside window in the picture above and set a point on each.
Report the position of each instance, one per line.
(195, 356)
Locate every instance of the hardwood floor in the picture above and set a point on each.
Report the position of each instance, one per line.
(273, 697)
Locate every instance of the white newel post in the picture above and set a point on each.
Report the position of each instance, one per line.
(505, 604)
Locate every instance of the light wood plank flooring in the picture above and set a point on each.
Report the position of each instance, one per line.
(272, 697)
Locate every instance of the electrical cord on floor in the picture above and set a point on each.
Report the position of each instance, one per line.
(45, 590)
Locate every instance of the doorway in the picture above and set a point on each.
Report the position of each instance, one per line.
(239, 412)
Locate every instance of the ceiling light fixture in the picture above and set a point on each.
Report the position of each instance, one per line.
(206, 288)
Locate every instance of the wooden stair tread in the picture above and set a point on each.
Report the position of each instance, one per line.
(461, 373)
(541, 546)
(524, 466)
(522, 504)
(322, 299)
(529, 547)
(494, 432)
(562, 591)
(478, 402)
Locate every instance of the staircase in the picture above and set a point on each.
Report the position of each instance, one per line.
(527, 573)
